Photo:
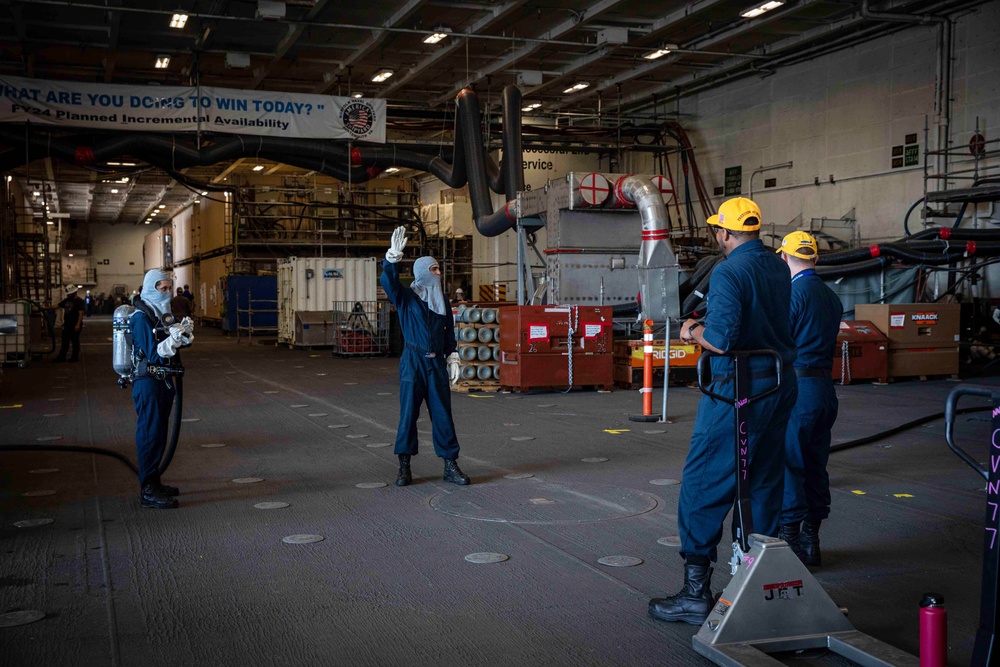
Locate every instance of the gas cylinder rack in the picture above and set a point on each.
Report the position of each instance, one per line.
(477, 331)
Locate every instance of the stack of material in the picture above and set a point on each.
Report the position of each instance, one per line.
(923, 337)
(478, 334)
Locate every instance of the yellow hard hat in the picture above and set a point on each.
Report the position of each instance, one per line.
(799, 244)
(734, 215)
(713, 221)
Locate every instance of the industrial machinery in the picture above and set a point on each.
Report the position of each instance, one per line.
(599, 251)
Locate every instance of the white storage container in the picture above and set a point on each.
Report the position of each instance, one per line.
(14, 334)
(314, 283)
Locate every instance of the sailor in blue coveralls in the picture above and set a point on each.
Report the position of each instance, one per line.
(153, 398)
(428, 361)
(747, 309)
(815, 320)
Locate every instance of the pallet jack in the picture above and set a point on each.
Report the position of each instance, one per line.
(772, 603)
(984, 651)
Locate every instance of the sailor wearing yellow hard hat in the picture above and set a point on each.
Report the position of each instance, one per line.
(747, 310)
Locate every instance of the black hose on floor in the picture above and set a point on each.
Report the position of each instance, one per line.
(902, 427)
(79, 449)
(168, 453)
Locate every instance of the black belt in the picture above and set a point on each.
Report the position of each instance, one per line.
(756, 375)
(814, 373)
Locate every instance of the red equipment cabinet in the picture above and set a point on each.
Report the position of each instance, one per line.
(535, 350)
(866, 350)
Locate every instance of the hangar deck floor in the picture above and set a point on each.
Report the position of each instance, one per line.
(213, 584)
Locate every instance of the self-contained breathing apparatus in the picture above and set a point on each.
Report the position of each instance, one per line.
(129, 361)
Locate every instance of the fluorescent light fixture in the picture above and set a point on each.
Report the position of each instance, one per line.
(36, 193)
(577, 86)
(659, 53)
(259, 167)
(382, 75)
(154, 212)
(761, 9)
(49, 222)
(391, 170)
(358, 95)
(197, 201)
(162, 206)
(124, 179)
(439, 33)
(532, 106)
(121, 164)
(178, 20)
(114, 191)
(148, 221)
(162, 62)
(70, 254)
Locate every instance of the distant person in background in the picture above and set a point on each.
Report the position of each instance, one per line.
(459, 296)
(189, 296)
(180, 305)
(73, 308)
(88, 302)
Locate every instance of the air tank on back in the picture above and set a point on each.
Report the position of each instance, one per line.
(121, 341)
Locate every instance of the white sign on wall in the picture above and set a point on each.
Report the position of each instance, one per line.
(190, 109)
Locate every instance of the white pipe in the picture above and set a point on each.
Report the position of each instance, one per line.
(783, 165)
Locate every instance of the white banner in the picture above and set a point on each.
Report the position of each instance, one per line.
(190, 109)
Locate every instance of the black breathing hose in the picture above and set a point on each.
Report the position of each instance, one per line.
(902, 427)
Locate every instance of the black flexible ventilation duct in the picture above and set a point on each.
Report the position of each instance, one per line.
(357, 164)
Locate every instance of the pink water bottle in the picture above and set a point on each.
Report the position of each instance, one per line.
(933, 631)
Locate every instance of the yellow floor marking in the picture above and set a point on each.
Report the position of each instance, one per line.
(859, 492)
(903, 495)
(7, 407)
(617, 431)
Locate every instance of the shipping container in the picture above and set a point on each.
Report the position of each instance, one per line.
(313, 284)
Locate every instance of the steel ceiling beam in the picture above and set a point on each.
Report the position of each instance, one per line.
(287, 42)
(373, 41)
(555, 33)
(496, 15)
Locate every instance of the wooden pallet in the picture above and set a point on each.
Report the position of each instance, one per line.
(469, 386)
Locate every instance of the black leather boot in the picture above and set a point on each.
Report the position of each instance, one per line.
(151, 497)
(165, 489)
(454, 474)
(404, 477)
(789, 532)
(692, 603)
(810, 542)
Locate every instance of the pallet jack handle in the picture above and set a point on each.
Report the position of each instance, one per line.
(740, 400)
(984, 651)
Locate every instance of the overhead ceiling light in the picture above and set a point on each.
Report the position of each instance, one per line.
(382, 75)
(148, 221)
(197, 201)
(391, 170)
(114, 191)
(154, 212)
(49, 222)
(162, 206)
(124, 179)
(36, 193)
(162, 62)
(178, 20)
(576, 87)
(121, 164)
(358, 95)
(760, 9)
(659, 53)
(70, 254)
(259, 167)
(532, 106)
(439, 33)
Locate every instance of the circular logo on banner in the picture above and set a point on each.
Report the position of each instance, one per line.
(358, 118)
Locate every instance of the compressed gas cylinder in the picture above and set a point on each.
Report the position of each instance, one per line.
(484, 372)
(488, 315)
(467, 353)
(483, 353)
(485, 335)
(468, 372)
(121, 341)
(467, 335)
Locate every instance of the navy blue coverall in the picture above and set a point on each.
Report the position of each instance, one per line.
(815, 320)
(747, 309)
(153, 399)
(421, 376)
